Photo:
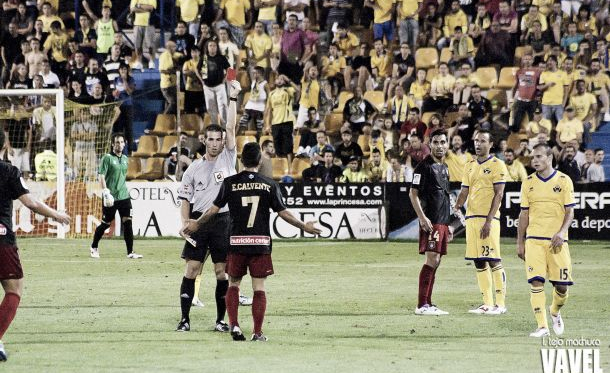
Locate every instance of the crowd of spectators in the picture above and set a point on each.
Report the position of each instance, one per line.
(43, 46)
(351, 90)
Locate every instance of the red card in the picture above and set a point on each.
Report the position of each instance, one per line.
(231, 74)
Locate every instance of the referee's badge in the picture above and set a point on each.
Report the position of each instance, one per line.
(416, 179)
(218, 176)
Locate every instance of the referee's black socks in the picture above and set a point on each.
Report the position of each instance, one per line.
(187, 291)
(221, 292)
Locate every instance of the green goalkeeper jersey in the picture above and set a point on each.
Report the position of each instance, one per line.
(114, 169)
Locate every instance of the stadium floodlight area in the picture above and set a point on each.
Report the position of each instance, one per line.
(57, 144)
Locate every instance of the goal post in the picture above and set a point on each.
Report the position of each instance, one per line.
(68, 180)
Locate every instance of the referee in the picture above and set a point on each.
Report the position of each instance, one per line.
(200, 185)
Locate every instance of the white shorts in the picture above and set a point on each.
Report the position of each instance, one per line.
(20, 159)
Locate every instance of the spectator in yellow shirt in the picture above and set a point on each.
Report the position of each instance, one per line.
(354, 173)
(189, 13)
(527, 21)
(584, 21)
(462, 48)
(538, 124)
(234, 14)
(346, 41)
(516, 169)
(568, 129)
(456, 159)
(333, 66)
(455, 17)
(598, 83)
(57, 43)
(409, 25)
(47, 17)
(258, 46)
(381, 64)
(420, 88)
(194, 101)
(167, 68)
(310, 95)
(554, 84)
(441, 91)
(142, 34)
(585, 107)
(384, 14)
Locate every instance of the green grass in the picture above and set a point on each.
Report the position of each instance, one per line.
(332, 307)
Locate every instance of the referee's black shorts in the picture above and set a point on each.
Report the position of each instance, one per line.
(212, 239)
(123, 207)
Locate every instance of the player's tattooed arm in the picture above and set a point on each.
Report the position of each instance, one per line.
(194, 225)
(41, 208)
(308, 227)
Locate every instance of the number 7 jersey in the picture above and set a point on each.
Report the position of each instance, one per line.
(250, 197)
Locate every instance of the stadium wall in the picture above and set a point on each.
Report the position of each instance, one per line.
(344, 211)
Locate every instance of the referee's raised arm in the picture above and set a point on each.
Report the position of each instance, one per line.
(234, 89)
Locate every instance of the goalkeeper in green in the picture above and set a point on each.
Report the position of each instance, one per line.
(115, 196)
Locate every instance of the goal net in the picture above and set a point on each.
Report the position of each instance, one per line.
(57, 144)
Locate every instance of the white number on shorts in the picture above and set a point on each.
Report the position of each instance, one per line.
(251, 200)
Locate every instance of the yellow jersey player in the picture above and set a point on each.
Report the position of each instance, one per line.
(483, 187)
(547, 210)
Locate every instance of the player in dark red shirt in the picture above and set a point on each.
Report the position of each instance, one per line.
(430, 198)
(250, 197)
(13, 187)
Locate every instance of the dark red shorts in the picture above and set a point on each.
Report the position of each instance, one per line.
(435, 241)
(10, 265)
(259, 265)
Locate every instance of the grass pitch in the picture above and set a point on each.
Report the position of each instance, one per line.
(332, 307)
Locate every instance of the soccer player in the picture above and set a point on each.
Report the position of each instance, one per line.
(12, 187)
(115, 196)
(200, 185)
(547, 210)
(483, 186)
(249, 196)
(429, 196)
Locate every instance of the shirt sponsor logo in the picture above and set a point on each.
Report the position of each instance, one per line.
(250, 240)
(416, 179)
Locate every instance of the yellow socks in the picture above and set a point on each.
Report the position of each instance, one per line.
(484, 280)
(538, 300)
(197, 286)
(499, 278)
(558, 301)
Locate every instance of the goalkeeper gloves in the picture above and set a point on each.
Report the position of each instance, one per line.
(107, 198)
